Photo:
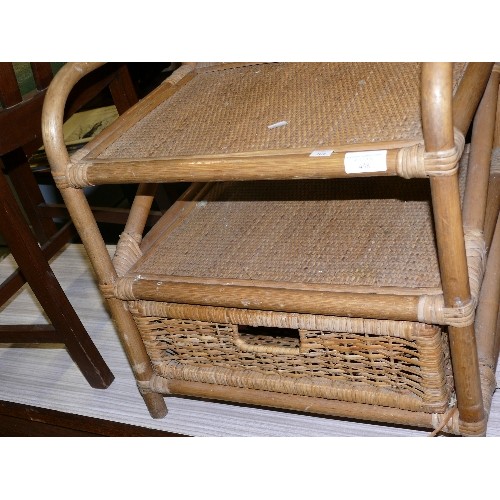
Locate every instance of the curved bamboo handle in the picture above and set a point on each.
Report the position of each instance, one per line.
(267, 349)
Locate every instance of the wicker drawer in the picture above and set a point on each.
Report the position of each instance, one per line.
(388, 363)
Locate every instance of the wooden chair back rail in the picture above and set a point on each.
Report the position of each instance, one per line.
(441, 114)
(9, 90)
(42, 73)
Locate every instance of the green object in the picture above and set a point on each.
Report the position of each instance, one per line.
(25, 78)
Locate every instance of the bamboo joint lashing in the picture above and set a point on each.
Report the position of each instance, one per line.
(127, 252)
(144, 386)
(159, 384)
(75, 176)
(414, 161)
(431, 308)
(107, 290)
(124, 288)
(449, 421)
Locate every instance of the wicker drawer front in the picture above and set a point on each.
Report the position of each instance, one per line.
(374, 366)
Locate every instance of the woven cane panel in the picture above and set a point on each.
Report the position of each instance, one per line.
(369, 232)
(329, 364)
(228, 111)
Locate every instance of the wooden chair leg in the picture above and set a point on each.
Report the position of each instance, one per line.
(27, 189)
(35, 268)
(122, 90)
(16, 280)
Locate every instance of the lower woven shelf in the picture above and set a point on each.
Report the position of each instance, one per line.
(394, 364)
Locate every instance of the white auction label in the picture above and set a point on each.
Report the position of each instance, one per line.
(360, 162)
(322, 152)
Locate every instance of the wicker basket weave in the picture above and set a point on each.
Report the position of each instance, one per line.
(399, 364)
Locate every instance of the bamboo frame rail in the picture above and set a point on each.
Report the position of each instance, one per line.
(408, 162)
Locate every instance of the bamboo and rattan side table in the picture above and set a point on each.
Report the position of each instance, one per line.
(336, 251)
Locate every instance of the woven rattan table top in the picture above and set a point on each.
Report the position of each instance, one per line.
(368, 232)
(222, 111)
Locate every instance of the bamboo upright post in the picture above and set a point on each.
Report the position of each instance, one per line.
(493, 199)
(437, 115)
(478, 172)
(487, 311)
(81, 214)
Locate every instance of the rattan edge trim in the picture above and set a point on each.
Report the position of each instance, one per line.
(207, 67)
(275, 383)
(293, 286)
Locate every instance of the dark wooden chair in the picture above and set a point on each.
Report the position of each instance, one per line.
(26, 220)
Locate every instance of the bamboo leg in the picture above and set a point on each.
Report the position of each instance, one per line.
(469, 93)
(438, 136)
(496, 350)
(493, 200)
(478, 172)
(489, 299)
(451, 249)
(492, 208)
(88, 230)
(139, 211)
(81, 214)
